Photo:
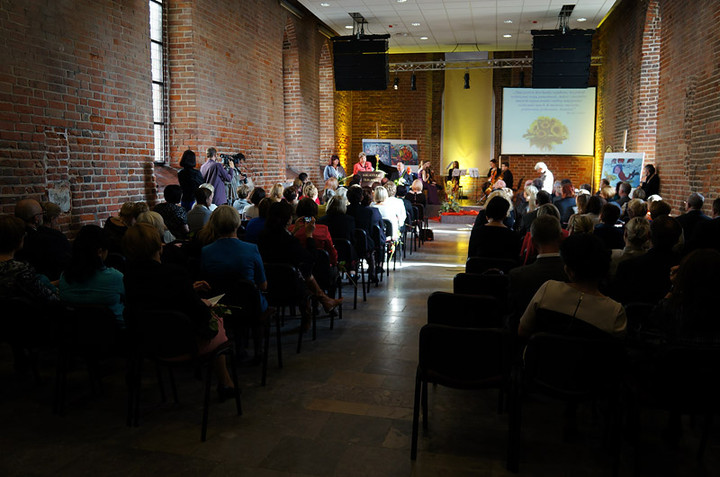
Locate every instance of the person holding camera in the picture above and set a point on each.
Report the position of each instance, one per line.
(214, 173)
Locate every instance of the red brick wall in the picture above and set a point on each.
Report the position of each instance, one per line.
(395, 114)
(75, 104)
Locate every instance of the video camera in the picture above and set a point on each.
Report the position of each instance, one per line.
(235, 158)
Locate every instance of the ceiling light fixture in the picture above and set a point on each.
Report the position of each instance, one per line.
(423, 38)
(324, 4)
(415, 23)
(396, 83)
(413, 86)
(582, 19)
(507, 36)
(348, 27)
(507, 21)
(401, 1)
(466, 78)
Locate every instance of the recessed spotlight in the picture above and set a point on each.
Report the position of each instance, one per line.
(423, 38)
(507, 36)
(348, 27)
(582, 19)
(401, 1)
(324, 4)
(415, 24)
(507, 21)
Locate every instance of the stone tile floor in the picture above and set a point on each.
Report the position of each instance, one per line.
(343, 407)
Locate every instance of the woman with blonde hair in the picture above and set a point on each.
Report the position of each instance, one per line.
(380, 197)
(276, 193)
(156, 220)
(416, 195)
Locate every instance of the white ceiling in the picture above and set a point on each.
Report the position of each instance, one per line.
(457, 25)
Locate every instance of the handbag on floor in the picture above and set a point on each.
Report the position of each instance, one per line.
(426, 235)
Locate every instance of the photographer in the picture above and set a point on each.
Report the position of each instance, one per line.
(215, 174)
(238, 178)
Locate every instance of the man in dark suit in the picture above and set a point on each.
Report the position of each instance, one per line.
(546, 235)
(365, 218)
(706, 233)
(693, 215)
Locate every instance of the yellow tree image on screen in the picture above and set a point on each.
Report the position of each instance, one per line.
(546, 132)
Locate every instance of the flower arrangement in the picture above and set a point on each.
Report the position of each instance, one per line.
(450, 205)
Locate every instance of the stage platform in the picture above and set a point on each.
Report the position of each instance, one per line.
(465, 205)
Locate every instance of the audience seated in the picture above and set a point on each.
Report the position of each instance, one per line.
(115, 227)
(307, 213)
(586, 263)
(546, 236)
(396, 204)
(339, 223)
(156, 220)
(366, 218)
(659, 208)
(256, 225)
(51, 213)
(542, 197)
(636, 208)
(152, 285)
(200, 213)
(637, 242)
(18, 279)
(241, 203)
(46, 249)
(580, 204)
(693, 215)
(593, 208)
(707, 233)
(387, 210)
(276, 193)
(278, 245)
(291, 196)
(688, 313)
(416, 195)
(87, 280)
(494, 239)
(174, 216)
(606, 230)
(566, 203)
(528, 252)
(257, 195)
(646, 278)
(623, 194)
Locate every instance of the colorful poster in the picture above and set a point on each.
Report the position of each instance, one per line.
(623, 167)
(390, 151)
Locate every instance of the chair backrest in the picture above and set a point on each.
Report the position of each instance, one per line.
(361, 240)
(92, 328)
(285, 284)
(573, 368)
(465, 358)
(469, 311)
(345, 251)
(492, 284)
(483, 264)
(638, 317)
(321, 268)
(686, 377)
(388, 227)
(551, 321)
(243, 299)
(376, 235)
(421, 211)
(27, 323)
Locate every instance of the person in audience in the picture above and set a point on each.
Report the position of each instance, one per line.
(636, 208)
(157, 221)
(541, 198)
(291, 197)
(215, 174)
(387, 210)
(401, 194)
(546, 177)
(528, 252)
(200, 213)
(174, 216)
(334, 169)
(87, 280)
(51, 213)
(637, 242)
(687, 315)
(241, 203)
(416, 195)
(707, 233)
(397, 204)
(311, 192)
(607, 193)
(653, 266)
(659, 208)
(276, 193)
(547, 235)
(581, 200)
(116, 226)
(257, 225)
(227, 259)
(336, 219)
(211, 188)
(278, 245)
(331, 187)
(638, 193)
(606, 229)
(623, 194)
(509, 220)
(582, 224)
(362, 165)
(257, 195)
(693, 215)
(307, 212)
(494, 239)
(566, 203)
(586, 263)
(593, 208)
(18, 279)
(151, 285)
(46, 249)
(189, 178)
(650, 181)
(525, 202)
(366, 218)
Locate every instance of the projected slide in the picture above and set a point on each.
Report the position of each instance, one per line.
(548, 121)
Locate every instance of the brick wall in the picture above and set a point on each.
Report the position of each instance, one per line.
(75, 115)
(394, 114)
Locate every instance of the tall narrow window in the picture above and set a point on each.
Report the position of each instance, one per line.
(158, 78)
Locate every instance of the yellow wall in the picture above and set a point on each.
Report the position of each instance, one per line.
(467, 119)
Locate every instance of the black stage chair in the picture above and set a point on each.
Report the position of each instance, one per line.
(483, 264)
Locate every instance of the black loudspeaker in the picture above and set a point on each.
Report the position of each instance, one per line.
(561, 60)
(361, 63)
